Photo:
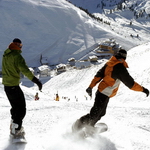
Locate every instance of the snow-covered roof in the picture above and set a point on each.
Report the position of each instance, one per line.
(93, 57)
(71, 59)
(60, 66)
(43, 67)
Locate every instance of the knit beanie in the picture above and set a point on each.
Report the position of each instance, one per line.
(121, 54)
(17, 40)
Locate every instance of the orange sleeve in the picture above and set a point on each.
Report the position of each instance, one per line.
(137, 87)
(94, 81)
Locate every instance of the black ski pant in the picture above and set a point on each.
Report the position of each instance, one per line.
(97, 111)
(17, 102)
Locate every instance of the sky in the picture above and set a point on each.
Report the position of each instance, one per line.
(48, 122)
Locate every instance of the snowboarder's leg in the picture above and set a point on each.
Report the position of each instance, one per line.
(17, 101)
(97, 111)
(99, 108)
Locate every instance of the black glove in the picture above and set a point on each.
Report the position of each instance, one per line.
(89, 91)
(39, 84)
(146, 91)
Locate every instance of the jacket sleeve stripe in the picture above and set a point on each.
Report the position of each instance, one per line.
(137, 87)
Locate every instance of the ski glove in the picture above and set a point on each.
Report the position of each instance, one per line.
(146, 91)
(39, 84)
(89, 91)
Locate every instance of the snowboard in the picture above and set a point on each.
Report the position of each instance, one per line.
(102, 127)
(21, 139)
(90, 131)
(97, 129)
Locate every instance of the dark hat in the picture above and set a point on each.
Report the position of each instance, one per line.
(121, 54)
(17, 40)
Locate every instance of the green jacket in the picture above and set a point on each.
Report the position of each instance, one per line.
(12, 65)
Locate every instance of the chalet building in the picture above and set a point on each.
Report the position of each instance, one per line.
(71, 61)
(108, 47)
(60, 68)
(82, 64)
(93, 58)
(44, 70)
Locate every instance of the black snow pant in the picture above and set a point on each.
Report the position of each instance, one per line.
(97, 111)
(17, 102)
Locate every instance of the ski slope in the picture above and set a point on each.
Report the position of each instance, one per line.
(48, 122)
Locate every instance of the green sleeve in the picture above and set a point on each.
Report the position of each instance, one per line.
(24, 68)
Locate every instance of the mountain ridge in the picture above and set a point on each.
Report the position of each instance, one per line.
(59, 30)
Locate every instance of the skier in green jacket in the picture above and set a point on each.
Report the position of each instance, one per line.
(12, 65)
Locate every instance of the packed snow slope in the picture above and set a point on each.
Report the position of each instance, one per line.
(48, 122)
(58, 30)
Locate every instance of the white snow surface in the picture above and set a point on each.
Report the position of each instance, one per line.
(58, 30)
(48, 122)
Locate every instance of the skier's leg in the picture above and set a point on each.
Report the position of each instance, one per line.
(17, 101)
(99, 108)
(97, 111)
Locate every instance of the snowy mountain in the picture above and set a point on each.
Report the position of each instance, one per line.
(99, 6)
(58, 30)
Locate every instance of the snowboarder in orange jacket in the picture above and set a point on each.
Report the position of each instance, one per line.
(109, 78)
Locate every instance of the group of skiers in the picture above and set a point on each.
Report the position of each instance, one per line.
(108, 78)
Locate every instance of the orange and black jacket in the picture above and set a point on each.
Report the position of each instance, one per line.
(110, 75)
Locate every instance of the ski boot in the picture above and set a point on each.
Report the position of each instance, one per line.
(16, 133)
